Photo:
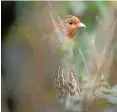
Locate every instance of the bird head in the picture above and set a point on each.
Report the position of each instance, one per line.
(70, 26)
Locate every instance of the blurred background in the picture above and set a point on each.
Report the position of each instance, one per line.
(88, 12)
(17, 61)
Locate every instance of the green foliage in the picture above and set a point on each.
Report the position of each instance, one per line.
(104, 95)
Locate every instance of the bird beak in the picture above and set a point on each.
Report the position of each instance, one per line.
(81, 25)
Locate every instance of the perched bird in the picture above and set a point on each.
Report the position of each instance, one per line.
(66, 79)
(69, 26)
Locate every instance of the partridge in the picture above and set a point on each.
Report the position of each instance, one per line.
(66, 82)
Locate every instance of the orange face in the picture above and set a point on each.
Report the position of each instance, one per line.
(71, 24)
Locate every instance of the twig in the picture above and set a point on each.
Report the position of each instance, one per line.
(105, 53)
(84, 60)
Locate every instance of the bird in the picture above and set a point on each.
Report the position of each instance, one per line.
(66, 82)
(23, 41)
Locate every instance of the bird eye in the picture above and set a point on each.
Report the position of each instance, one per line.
(70, 23)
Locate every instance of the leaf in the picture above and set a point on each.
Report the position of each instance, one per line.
(74, 98)
(114, 91)
(101, 102)
(107, 91)
(112, 100)
(98, 104)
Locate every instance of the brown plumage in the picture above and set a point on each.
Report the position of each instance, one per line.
(66, 82)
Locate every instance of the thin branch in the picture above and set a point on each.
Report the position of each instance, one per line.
(104, 55)
(84, 60)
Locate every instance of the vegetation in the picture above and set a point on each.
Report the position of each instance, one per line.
(95, 48)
